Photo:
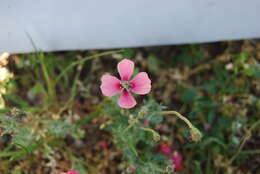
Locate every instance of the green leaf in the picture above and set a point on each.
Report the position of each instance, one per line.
(61, 129)
(88, 118)
(15, 99)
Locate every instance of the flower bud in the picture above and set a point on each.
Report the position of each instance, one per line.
(142, 113)
(156, 136)
(132, 121)
(195, 134)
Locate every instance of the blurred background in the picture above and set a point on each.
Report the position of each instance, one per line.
(202, 57)
(215, 85)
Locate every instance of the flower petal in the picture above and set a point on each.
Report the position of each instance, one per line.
(141, 84)
(126, 100)
(72, 172)
(125, 68)
(110, 85)
(177, 161)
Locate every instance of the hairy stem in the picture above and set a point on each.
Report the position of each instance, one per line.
(195, 133)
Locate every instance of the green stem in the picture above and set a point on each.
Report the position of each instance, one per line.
(195, 133)
(50, 85)
(156, 136)
(179, 116)
(128, 127)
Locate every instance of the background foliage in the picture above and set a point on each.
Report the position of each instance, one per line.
(55, 118)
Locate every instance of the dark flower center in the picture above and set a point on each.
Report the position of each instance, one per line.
(125, 85)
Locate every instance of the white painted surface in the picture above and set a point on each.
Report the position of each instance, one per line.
(91, 24)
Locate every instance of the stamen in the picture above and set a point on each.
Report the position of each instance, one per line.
(126, 85)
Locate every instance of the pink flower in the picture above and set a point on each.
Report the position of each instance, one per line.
(140, 84)
(165, 149)
(175, 157)
(71, 172)
(177, 161)
(103, 145)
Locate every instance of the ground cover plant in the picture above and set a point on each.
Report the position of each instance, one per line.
(196, 110)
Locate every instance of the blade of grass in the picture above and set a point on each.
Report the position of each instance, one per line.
(83, 60)
(88, 118)
(50, 85)
(39, 55)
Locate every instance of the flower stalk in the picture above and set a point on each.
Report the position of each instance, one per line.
(196, 135)
(156, 136)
